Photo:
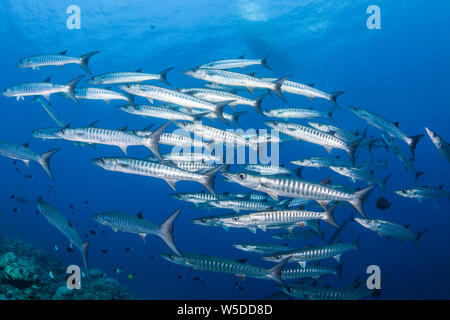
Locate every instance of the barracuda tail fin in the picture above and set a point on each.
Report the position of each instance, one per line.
(352, 149)
(274, 273)
(278, 83)
(417, 174)
(383, 182)
(219, 110)
(258, 102)
(339, 269)
(198, 116)
(264, 62)
(359, 198)
(166, 231)
(329, 216)
(83, 251)
(235, 117)
(413, 144)
(45, 162)
(329, 114)
(333, 97)
(419, 235)
(152, 141)
(85, 60)
(163, 76)
(70, 92)
(207, 178)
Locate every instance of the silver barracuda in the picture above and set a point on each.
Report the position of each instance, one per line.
(172, 139)
(191, 156)
(56, 219)
(236, 63)
(321, 162)
(196, 166)
(215, 264)
(294, 188)
(315, 272)
(262, 248)
(442, 145)
(268, 219)
(129, 77)
(216, 96)
(58, 60)
(120, 221)
(268, 170)
(407, 162)
(425, 192)
(170, 174)
(44, 89)
(297, 234)
(361, 174)
(238, 205)
(235, 79)
(387, 126)
(202, 197)
(160, 112)
(346, 135)
(302, 256)
(100, 94)
(172, 96)
(390, 230)
(94, 135)
(298, 113)
(308, 91)
(215, 134)
(327, 293)
(301, 132)
(23, 153)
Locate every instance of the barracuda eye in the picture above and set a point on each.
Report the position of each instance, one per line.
(278, 257)
(275, 123)
(171, 256)
(236, 218)
(291, 290)
(203, 220)
(102, 160)
(242, 176)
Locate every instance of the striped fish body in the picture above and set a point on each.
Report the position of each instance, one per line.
(219, 96)
(156, 112)
(195, 197)
(123, 77)
(262, 248)
(345, 135)
(48, 60)
(442, 145)
(267, 169)
(359, 174)
(420, 193)
(191, 157)
(35, 89)
(190, 166)
(18, 152)
(388, 229)
(172, 139)
(283, 217)
(320, 293)
(291, 272)
(321, 162)
(238, 205)
(232, 63)
(295, 113)
(234, 79)
(119, 221)
(302, 89)
(99, 94)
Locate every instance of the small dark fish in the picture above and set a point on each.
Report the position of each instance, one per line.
(12, 196)
(29, 176)
(104, 251)
(69, 248)
(181, 277)
(383, 203)
(92, 232)
(86, 202)
(15, 210)
(71, 206)
(128, 249)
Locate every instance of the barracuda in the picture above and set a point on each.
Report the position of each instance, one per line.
(44, 89)
(301, 132)
(297, 234)
(361, 174)
(322, 293)
(23, 153)
(119, 221)
(345, 135)
(172, 139)
(221, 96)
(268, 170)
(421, 193)
(59, 60)
(192, 157)
(236, 63)
(401, 156)
(315, 272)
(215, 134)
(93, 135)
(262, 248)
(321, 162)
(308, 91)
(129, 77)
(199, 167)
(267, 219)
(235, 79)
(238, 205)
(215, 264)
(179, 98)
(298, 113)
(387, 126)
(294, 188)
(160, 112)
(56, 219)
(168, 173)
(308, 254)
(100, 94)
(442, 145)
(390, 230)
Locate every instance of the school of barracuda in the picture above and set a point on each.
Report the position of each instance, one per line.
(278, 197)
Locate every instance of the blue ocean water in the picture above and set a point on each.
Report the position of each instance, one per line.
(399, 71)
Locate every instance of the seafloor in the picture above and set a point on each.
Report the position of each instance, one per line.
(25, 274)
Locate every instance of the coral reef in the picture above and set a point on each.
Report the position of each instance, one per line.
(25, 274)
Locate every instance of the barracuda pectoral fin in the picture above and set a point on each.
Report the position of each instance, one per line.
(338, 258)
(150, 100)
(262, 227)
(251, 90)
(329, 149)
(142, 235)
(241, 276)
(124, 149)
(108, 101)
(323, 204)
(18, 98)
(302, 264)
(171, 183)
(252, 230)
(114, 229)
(27, 163)
(226, 228)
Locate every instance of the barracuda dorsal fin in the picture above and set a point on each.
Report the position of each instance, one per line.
(63, 53)
(396, 124)
(337, 257)
(310, 85)
(26, 144)
(138, 70)
(47, 80)
(140, 215)
(93, 124)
